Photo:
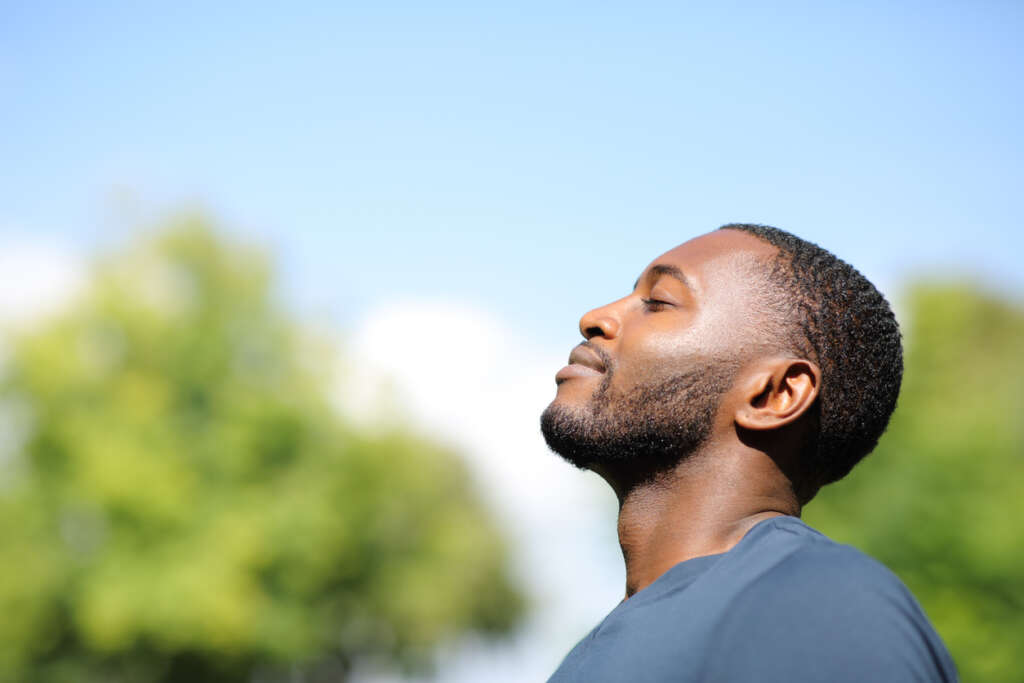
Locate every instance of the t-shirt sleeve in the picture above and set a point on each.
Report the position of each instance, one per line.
(832, 615)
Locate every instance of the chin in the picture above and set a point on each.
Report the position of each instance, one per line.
(563, 427)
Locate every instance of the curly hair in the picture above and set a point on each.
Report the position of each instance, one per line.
(836, 316)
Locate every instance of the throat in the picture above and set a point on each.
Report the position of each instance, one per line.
(668, 521)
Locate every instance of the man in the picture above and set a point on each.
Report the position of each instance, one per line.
(746, 369)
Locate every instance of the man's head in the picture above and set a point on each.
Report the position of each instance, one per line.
(745, 330)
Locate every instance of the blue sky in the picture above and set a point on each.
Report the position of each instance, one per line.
(529, 159)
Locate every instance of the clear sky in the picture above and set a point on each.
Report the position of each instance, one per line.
(517, 164)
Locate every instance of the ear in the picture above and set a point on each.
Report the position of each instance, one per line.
(777, 392)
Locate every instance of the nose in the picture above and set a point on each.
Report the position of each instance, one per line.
(600, 322)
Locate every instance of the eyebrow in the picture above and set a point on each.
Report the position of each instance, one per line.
(665, 269)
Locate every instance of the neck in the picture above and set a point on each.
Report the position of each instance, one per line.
(702, 506)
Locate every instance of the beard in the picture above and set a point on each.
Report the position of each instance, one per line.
(653, 426)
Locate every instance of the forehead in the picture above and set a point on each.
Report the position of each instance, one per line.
(717, 253)
(722, 264)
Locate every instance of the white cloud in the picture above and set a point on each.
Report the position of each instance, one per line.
(464, 377)
(37, 278)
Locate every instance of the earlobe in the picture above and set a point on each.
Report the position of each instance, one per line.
(778, 393)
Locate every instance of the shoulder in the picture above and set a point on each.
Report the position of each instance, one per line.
(799, 559)
(793, 572)
(809, 604)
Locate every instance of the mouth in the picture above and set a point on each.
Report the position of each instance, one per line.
(584, 361)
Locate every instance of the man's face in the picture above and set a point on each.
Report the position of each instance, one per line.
(650, 379)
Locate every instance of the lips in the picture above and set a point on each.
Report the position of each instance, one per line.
(583, 362)
(587, 357)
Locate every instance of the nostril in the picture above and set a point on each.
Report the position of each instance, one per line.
(599, 322)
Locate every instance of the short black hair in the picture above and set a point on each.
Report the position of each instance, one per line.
(841, 319)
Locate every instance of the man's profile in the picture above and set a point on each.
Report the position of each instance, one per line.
(747, 369)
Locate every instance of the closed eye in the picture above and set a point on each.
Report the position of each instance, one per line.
(655, 304)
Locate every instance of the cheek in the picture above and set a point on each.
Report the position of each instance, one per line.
(657, 356)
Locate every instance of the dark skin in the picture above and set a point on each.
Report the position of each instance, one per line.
(696, 302)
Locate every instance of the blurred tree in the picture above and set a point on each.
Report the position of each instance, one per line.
(941, 501)
(179, 502)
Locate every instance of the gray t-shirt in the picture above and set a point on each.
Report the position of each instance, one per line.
(785, 604)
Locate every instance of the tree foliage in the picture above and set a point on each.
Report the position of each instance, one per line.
(179, 502)
(941, 501)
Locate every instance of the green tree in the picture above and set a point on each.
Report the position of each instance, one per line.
(179, 502)
(941, 501)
